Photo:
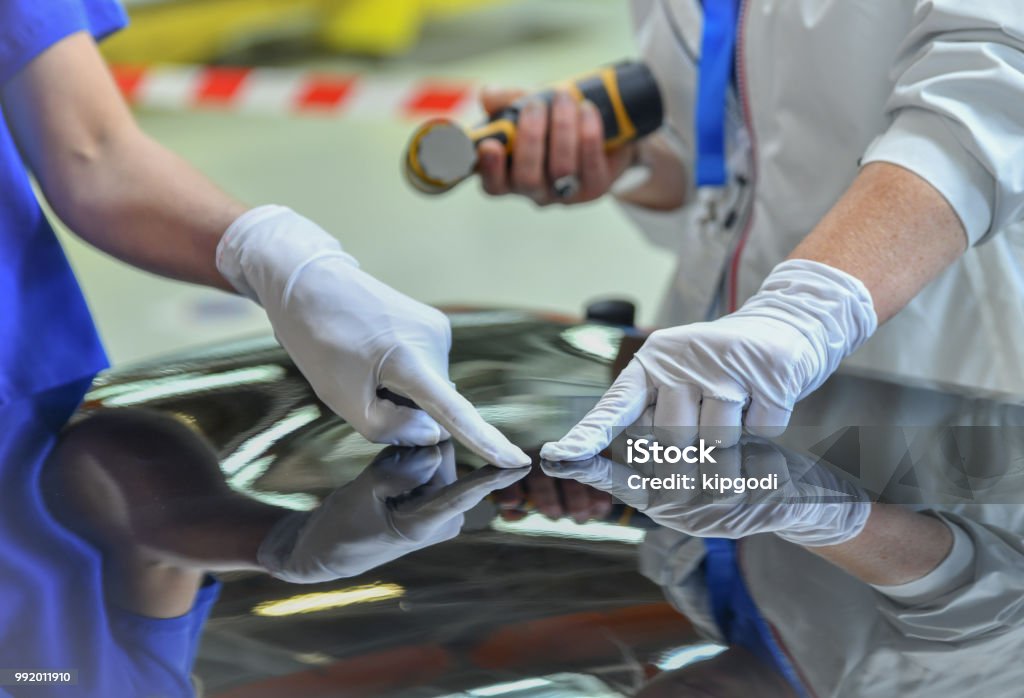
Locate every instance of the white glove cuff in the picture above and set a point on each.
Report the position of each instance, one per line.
(831, 308)
(275, 552)
(839, 522)
(260, 251)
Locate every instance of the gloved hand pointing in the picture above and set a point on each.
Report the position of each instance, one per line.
(352, 335)
(748, 368)
(406, 500)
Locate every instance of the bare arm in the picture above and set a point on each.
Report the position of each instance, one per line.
(897, 546)
(893, 231)
(149, 493)
(113, 185)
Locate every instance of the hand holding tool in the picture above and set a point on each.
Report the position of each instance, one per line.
(442, 153)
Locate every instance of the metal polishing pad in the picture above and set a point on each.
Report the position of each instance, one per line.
(446, 154)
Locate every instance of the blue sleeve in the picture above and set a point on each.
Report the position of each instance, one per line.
(29, 27)
(159, 653)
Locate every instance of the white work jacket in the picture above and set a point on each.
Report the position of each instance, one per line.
(934, 86)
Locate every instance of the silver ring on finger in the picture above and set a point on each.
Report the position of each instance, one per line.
(566, 187)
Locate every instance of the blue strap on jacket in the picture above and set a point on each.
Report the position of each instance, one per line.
(717, 62)
(736, 613)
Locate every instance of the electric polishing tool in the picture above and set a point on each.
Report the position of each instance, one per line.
(442, 153)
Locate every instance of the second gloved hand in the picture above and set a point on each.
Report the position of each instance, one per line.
(808, 505)
(745, 369)
(352, 335)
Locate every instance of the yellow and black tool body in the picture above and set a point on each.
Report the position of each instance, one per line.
(441, 153)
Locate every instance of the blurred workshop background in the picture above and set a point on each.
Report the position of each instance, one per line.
(309, 103)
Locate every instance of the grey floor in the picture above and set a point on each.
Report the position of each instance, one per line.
(343, 172)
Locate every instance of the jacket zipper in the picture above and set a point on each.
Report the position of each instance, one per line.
(741, 83)
(741, 80)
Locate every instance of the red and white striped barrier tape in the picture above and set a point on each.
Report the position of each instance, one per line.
(284, 91)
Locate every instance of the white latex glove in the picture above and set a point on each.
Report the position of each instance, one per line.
(352, 335)
(748, 368)
(407, 499)
(810, 507)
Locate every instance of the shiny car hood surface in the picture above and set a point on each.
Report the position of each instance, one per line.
(530, 607)
(555, 604)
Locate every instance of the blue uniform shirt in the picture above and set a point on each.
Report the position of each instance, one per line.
(47, 334)
(54, 611)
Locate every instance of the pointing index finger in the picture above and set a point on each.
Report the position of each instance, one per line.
(436, 396)
(620, 407)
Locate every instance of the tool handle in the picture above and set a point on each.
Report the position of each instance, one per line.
(626, 94)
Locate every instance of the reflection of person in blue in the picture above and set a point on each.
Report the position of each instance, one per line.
(129, 590)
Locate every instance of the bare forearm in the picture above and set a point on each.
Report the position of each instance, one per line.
(157, 574)
(893, 231)
(140, 480)
(221, 533)
(149, 493)
(897, 546)
(147, 207)
(114, 186)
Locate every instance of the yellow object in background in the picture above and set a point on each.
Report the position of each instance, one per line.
(200, 31)
(374, 27)
(384, 27)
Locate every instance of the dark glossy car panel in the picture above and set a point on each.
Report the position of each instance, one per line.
(528, 607)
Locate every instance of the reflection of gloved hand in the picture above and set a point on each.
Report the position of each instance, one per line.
(407, 499)
(352, 335)
(781, 345)
(810, 506)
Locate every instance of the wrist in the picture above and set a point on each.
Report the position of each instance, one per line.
(276, 550)
(634, 175)
(835, 524)
(655, 178)
(832, 309)
(265, 246)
